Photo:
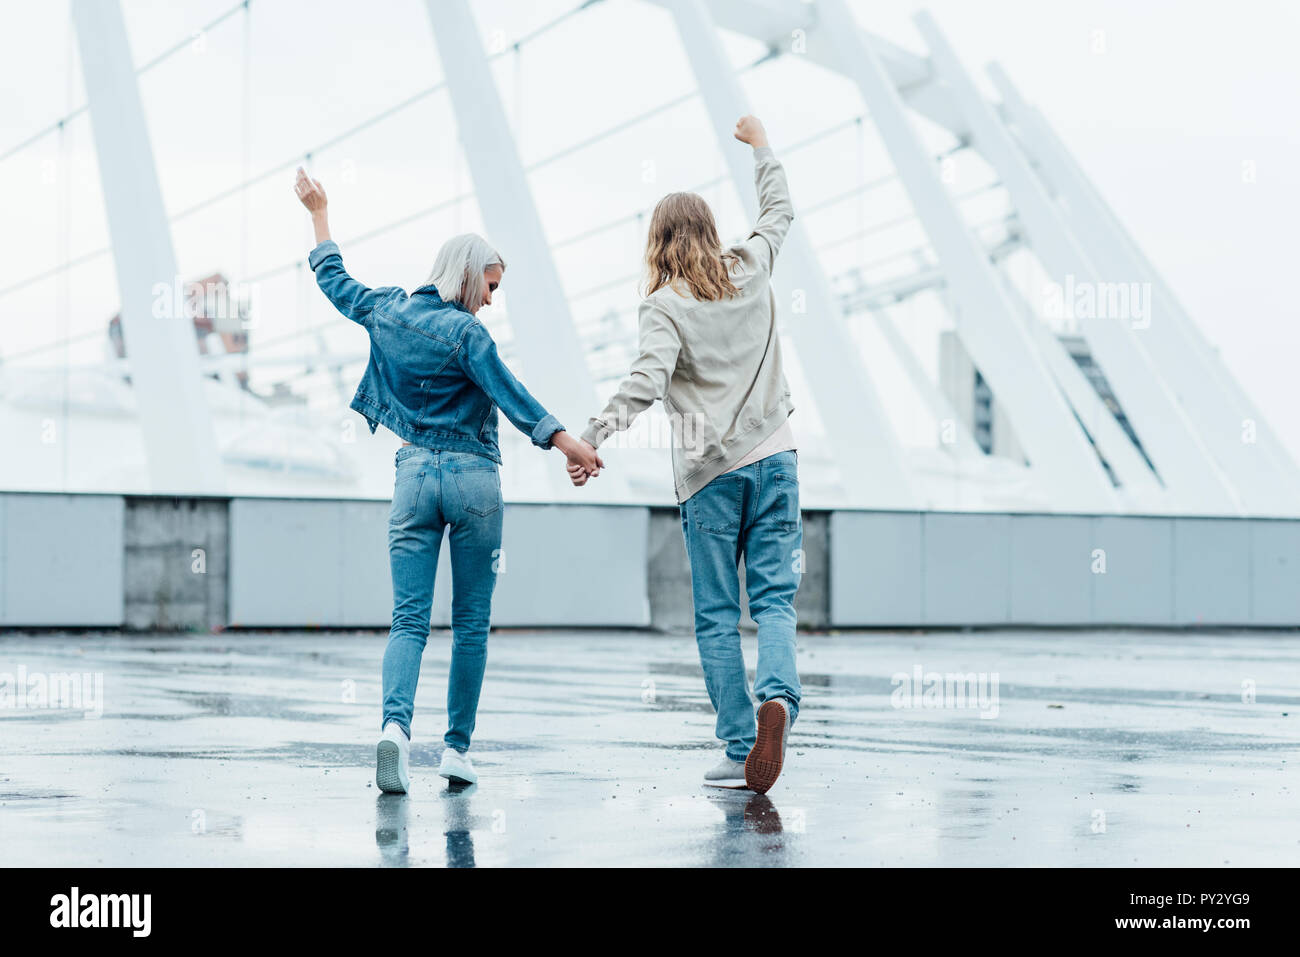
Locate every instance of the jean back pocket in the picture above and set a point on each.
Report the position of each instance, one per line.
(480, 490)
(716, 507)
(406, 495)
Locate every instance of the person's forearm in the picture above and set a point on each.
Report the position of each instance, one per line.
(563, 441)
(647, 380)
(635, 394)
(321, 224)
(775, 211)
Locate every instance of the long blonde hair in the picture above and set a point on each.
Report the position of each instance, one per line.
(683, 246)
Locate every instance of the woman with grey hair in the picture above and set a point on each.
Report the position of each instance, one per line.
(436, 380)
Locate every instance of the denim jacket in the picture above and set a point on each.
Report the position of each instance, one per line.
(434, 375)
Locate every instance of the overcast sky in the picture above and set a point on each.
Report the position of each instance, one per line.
(1162, 101)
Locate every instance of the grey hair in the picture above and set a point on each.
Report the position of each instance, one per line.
(458, 271)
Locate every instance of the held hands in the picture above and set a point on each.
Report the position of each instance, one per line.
(583, 462)
(749, 129)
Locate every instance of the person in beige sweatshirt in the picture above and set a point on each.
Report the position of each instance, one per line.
(709, 350)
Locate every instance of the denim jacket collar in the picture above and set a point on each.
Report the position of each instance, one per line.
(430, 289)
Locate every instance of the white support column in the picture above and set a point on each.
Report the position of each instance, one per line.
(1263, 473)
(552, 353)
(779, 23)
(180, 445)
(963, 444)
(1129, 466)
(1170, 437)
(862, 442)
(1057, 449)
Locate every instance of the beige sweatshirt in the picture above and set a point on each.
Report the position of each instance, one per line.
(782, 440)
(716, 365)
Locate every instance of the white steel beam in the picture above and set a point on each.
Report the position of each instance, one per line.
(1058, 451)
(775, 22)
(1125, 460)
(1169, 436)
(870, 460)
(549, 347)
(180, 444)
(1113, 441)
(1262, 472)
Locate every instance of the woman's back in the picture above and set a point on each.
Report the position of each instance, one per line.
(434, 376)
(715, 363)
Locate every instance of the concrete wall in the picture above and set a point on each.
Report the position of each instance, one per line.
(577, 565)
(942, 568)
(176, 559)
(325, 563)
(669, 575)
(61, 559)
(159, 562)
(309, 563)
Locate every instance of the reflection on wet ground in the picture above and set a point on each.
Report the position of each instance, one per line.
(1099, 748)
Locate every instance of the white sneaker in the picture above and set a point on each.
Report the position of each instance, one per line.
(456, 767)
(726, 774)
(392, 760)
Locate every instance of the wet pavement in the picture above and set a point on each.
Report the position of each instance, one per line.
(1084, 748)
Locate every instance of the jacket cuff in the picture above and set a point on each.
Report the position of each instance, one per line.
(544, 430)
(595, 433)
(762, 153)
(321, 252)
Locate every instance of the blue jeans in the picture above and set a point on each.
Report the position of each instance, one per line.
(752, 513)
(436, 489)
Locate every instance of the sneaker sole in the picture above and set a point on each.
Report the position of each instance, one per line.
(733, 784)
(388, 768)
(456, 778)
(763, 766)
